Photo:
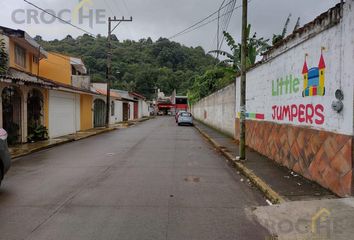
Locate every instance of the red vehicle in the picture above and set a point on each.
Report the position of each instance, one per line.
(181, 103)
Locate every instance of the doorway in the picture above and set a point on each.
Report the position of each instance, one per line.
(99, 113)
(11, 113)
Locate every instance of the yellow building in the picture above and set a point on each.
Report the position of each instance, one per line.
(42, 89)
(23, 95)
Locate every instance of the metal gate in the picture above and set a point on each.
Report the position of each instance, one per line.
(136, 110)
(99, 113)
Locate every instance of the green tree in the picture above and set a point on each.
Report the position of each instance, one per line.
(280, 37)
(142, 65)
(255, 47)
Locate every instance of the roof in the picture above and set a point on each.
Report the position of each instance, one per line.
(18, 76)
(322, 63)
(124, 95)
(11, 79)
(104, 92)
(137, 95)
(305, 69)
(22, 37)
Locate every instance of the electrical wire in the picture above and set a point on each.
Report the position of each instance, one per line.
(67, 57)
(226, 22)
(218, 28)
(210, 21)
(199, 22)
(109, 7)
(62, 20)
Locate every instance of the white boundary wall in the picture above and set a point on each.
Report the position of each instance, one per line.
(337, 46)
(218, 110)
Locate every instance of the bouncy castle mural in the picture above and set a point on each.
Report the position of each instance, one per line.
(314, 79)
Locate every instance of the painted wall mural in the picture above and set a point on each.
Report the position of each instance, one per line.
(298, 89)
(314, 79)
(313, 85)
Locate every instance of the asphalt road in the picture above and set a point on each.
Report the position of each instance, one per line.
(152, 181)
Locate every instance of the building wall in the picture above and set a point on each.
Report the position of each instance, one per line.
(144, 109)
(57, 68)
(217, 110)
(118, 112)
(86, 102)
(131, 111)
(289, 122)
(303, 132)
(31, 67)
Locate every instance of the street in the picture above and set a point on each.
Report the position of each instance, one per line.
(152, 181)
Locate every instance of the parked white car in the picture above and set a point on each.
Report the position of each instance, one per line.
(185, 118)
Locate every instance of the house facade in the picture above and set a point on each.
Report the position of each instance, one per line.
(24, 96)
(42, 89)
(124, 106)
(70, 105)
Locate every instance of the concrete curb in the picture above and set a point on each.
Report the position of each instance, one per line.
(272, 195)
(15, 157)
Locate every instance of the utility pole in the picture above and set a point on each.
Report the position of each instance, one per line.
(109, 60)
(243, 81)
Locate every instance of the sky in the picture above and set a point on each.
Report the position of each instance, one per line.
(158, 18)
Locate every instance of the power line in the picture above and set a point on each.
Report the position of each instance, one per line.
(199, 22)
(226, 22)
(109, 7)
(212, 20)
(117, 6)
(66, 57)
(126, 5)
(62, 20)
(218, 28)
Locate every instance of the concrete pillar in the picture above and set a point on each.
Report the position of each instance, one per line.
(24, 119)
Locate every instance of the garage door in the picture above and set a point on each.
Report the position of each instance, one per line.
(62, 113)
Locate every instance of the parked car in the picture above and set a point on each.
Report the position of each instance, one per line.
(185, 118)
(177, 114)
(5, 158)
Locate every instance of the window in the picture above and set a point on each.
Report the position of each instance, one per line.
(20, 56)
(35, 59)
(181, 101)
(112, 108)
(185, 114)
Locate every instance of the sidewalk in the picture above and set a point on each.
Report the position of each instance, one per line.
(28, 148)
(278, 183)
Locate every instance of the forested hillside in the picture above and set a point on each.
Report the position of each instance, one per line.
(138, 65)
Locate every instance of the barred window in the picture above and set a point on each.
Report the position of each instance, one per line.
(20, 56)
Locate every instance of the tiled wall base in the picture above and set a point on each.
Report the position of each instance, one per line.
(320, 156)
